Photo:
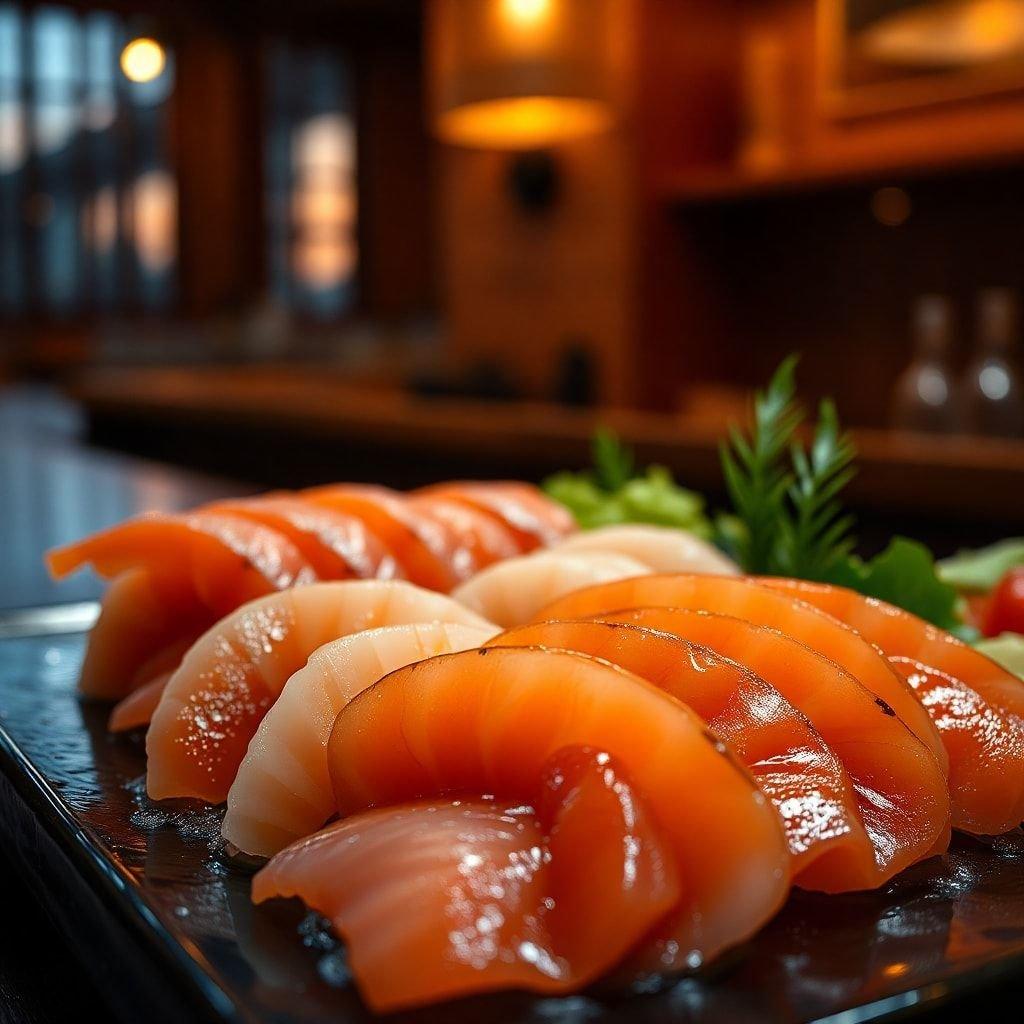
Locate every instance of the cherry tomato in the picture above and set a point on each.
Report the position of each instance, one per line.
(976, 609)
(1006, 613)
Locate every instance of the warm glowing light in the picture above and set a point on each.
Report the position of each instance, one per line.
(525, 123)
(99, 220)
(153, 203)
(896, 970)
(525, 12)
(143, 60)
(322, 263)
(948, 34)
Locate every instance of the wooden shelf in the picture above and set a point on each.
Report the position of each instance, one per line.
(732, 183)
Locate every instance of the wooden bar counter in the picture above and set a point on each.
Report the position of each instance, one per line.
(289, 427)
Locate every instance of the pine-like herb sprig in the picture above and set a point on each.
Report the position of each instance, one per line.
(786, 498)
(756, 475)
(817, 535)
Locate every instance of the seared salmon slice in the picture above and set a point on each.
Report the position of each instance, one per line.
(901, 791)
(442, 899)
(986, 751)
(488, 721)
(796, 770)
(425, 548)
(900, 634)
(747, 599)
(173, 574)
(482, 539)
(337, 545)
(534, 518)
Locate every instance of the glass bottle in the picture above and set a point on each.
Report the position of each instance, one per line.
(923, 398)
(990, 396)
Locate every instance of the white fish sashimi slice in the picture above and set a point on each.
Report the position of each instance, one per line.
(282, 791)
(512, 592)
(661, 548)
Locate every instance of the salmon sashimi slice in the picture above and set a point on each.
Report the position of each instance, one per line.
(488, 721)
(482, 539)
(173, 574)
(227, 559)
(439, 900)
(337, 545)
(140, 616)
(900, 634)
(136, 710)
(747, 599)
(986, 751)
(534, 518)
(282, 790)
(510, 593)
(214, 702)
(425, 549)
(662, 549)
(802, 777)
(901, 791)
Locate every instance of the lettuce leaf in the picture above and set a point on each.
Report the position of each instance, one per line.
(612, 492)
(1007, 649)
(904, 574)
(982, 570)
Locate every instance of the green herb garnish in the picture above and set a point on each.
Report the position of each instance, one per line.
(756, 475)
(789, 518)
(817, 536)
(613, 493)
(904, 574)
(1007, 649)
(785, 497)
(982, 570)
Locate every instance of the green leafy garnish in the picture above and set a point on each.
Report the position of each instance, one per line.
(787, 498)
(1007, 649)
(817, 536)
(789, 518)
(613, 461)
(612, 493)
(904, 575)
(756, 477)
(981, 570)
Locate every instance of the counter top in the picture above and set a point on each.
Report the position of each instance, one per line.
(975, 479)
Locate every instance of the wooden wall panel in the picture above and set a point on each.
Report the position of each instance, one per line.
(218, 152)
(520, 286)
(951, 132)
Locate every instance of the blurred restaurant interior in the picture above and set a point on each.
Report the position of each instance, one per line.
(399, 241)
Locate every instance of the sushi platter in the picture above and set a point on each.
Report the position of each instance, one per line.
(489, 751)
(168, 927)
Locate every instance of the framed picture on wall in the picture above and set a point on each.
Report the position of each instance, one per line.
(885, 55)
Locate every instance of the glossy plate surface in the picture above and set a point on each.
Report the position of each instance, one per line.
(71, 806)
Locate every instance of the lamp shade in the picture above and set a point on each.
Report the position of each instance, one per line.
(523, 74)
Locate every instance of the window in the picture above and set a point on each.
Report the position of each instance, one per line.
(88, 204)
(311, 182)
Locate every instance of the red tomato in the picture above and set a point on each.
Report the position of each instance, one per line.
(1006, 613)
(976, 609)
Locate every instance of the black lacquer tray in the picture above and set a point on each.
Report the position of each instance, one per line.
(165, 925)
